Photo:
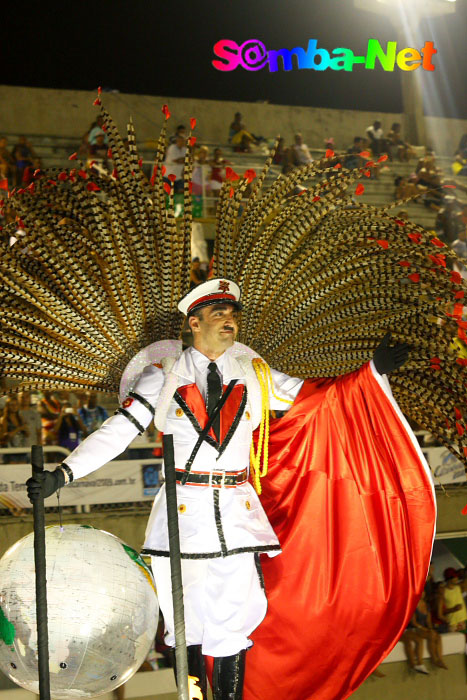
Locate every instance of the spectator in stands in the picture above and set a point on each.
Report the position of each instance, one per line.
(179, 131)
(4, 175)
(28, 173)
(13, 430)
(91, 413)
(452, 607)
(405, 188)
(413, 647)
(217, 175)
(396, 147)
(95, 130)
(429, 175)
(196, 274)
(23, 155)
(459, 166)
(31, 419)
(449, 219)
(353, 160)
(98, 155)
(7, 164)
(49, 409)
(69, 429)
(423, 626)
(239, 137)
(281, 154)
(200, 171)
(300, 152)
(376, 138)
(460, 244)
(174, 160)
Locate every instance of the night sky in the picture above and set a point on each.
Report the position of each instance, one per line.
(166, 48)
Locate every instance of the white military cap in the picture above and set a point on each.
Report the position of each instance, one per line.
(216, 291)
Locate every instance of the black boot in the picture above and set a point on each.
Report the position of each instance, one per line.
(196, 667)
(228, 675)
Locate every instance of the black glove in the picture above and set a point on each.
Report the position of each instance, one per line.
(387, 359)
(44, 484)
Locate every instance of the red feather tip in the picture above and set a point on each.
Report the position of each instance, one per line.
(367, 173)
(192, 141)
(316, 199)
(73, 156)
(329, 153)
(415, 277)
(109, 153)
(230, 174)
(359, 189)
(383, 243)
(231, 192)
(97, 102)
(192, 123)
(415, 237)
(166, 111)
(456, 277)
(249, 174)
(382, 158)
(92, 187)
(464, 509)
(99, 90)
(364, 154)
(337, 166)
(140, 162)
(437, 242)
(167, 187)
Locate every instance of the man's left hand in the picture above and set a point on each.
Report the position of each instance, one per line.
(387, 358)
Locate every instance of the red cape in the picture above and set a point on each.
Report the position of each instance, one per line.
(353, 506)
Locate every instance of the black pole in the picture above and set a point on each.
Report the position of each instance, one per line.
(175, 568)
(37, 461)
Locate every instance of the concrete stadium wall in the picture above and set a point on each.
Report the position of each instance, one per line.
(70, 112)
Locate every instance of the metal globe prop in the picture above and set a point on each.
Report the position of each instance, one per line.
(102, 612)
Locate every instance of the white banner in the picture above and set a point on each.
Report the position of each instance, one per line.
(121, 481)
(446, 468)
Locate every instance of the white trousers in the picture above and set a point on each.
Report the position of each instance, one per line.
(223, 599)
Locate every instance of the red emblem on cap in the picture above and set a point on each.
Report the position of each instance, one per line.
(127, 403)
(224, 286)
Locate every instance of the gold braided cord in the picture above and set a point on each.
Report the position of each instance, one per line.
(258, 471)
(98, 273)
(324, 277)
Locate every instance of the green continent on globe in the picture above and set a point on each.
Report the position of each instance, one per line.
(135, 556)
(7, 629)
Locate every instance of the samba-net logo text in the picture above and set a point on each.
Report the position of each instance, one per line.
(252, 55)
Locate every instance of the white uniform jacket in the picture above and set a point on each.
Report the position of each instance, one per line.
(213, 521)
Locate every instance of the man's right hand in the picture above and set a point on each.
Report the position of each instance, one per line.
(44, 484)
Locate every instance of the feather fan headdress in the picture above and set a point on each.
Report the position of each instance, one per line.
(103, 262)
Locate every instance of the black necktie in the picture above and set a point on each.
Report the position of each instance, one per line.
(214, 395)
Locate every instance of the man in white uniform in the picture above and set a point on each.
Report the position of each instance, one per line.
(223, 526)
